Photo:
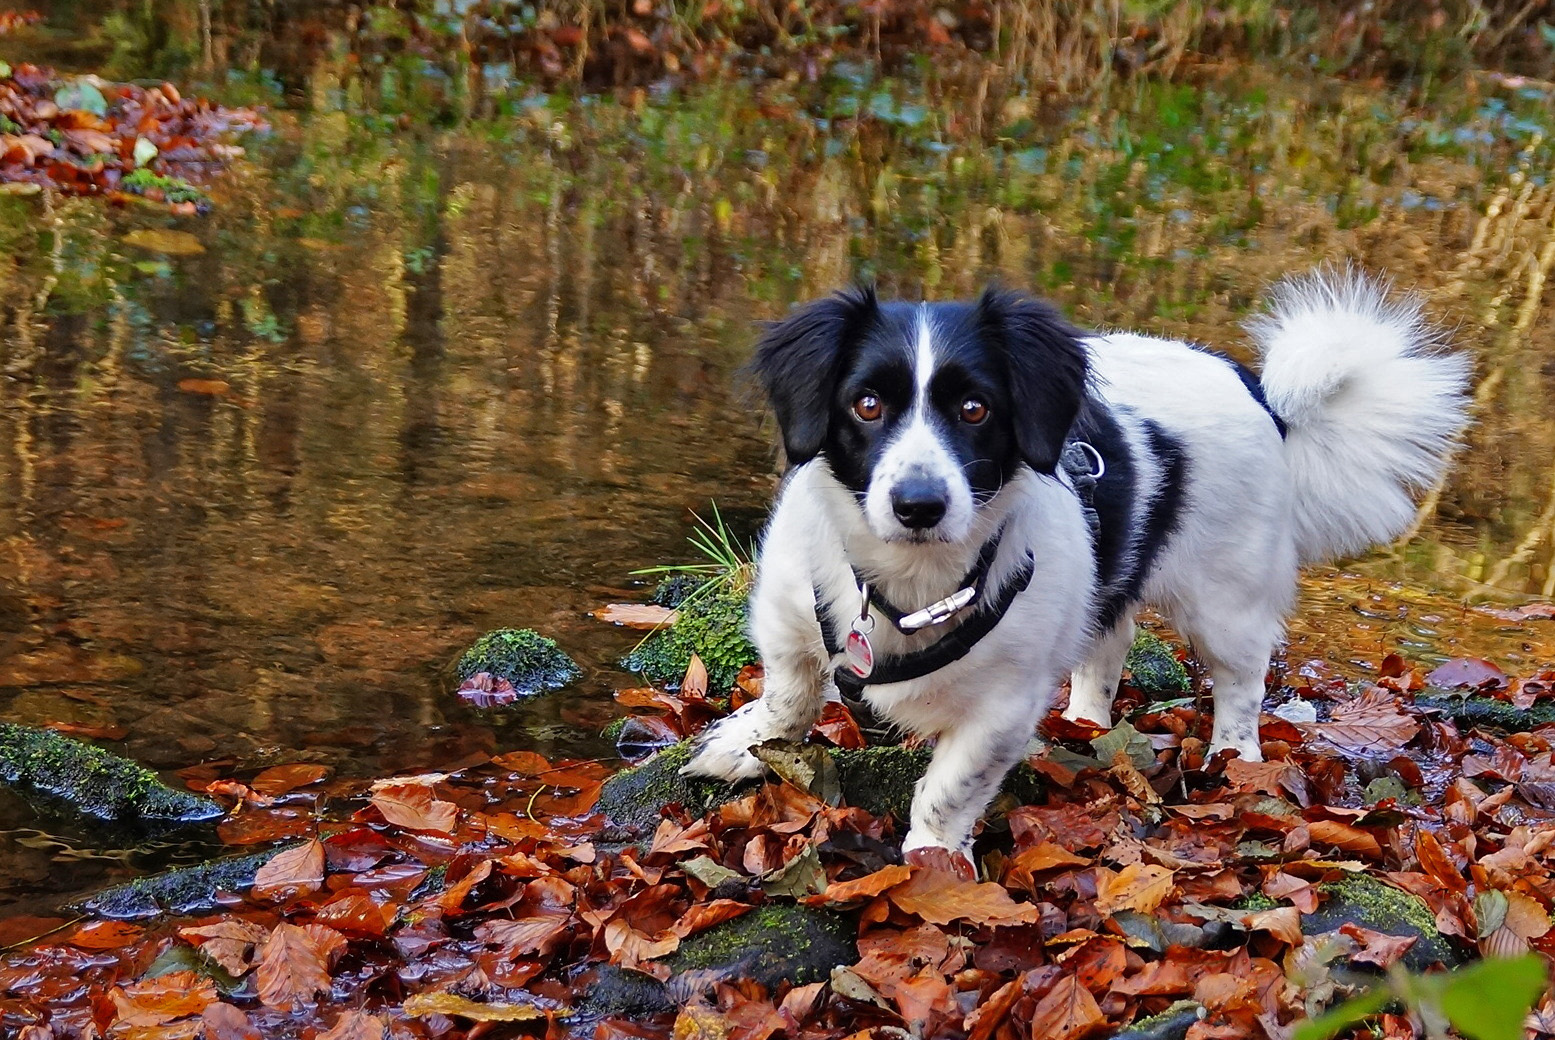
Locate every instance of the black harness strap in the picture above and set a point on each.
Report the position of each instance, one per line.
(987, 613)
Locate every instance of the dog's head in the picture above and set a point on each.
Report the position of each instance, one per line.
(924, 411)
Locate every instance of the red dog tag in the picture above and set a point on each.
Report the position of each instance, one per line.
(856, 651)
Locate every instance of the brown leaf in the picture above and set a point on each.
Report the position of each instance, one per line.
(229, 943)
(356, 1025)
(422, 1005)
(105, 935)
(225, 1022)
(412, 806)
(283, 779)
(296, 871)
(1139, 886)
(1371, 724)
(1343, 836)
(153, 1002)
(702, 916)
(1376, 948)
(1068, 1012)
(866, 887)
(534, 933)
(694, 686)
(646, 616)
(1282, 922)
(629, 947)
(291, 968)
(939, 898)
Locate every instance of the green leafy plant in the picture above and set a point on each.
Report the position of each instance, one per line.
(1487, 1000)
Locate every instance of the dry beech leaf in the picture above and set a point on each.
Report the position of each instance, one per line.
(413, 807)
(940, 898)
(291, 970)
(422, 1005)
(356, 1025)
(295, 871)
(1139, 886)
(644, 616)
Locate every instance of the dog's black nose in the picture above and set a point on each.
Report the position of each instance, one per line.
(918, 502)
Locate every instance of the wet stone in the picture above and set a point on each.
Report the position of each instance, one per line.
(1364, 901)
(65, 775)
(775, 943)
(186, 890)
(522, 657)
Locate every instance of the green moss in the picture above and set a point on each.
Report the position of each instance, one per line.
(173, 189)
(1171, 1024)
(612, 730)
(778, 942)
(1154, 668)
(94, 782)
(1487, 712)
(712, 626)
(632, 800)
(187, 890)
(528, 660)
(1255, 902)
(1359, 899)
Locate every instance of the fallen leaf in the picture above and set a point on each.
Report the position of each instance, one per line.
(940, 898)
(646, 616)
(230, 943)
(1139, 886)
(291, 969)
(296, 871)
(284, 779)
(160, 240)
(411, 805)
(422, 1005)
(1068, 1012)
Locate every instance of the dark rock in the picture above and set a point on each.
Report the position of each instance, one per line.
(777, 942)
(1154, 669)
(1365, 901)
(74, 776)
(611, 990)
(1171, 1024)
(712, 625)
(186, 890)
(529, 661)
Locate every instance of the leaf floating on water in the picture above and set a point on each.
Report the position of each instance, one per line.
(646, 616)
(161, 240)
(421, 1005)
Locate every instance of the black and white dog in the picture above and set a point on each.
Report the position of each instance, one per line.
(980, 497)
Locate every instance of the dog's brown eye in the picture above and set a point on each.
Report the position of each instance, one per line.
(973, 411)
(867, 407)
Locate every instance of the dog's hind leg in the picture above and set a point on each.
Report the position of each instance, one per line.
(1236, 641)
(1095, 683)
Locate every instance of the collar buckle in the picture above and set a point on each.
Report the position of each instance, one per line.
(939, 611)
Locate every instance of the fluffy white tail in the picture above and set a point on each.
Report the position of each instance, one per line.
(1373, 402)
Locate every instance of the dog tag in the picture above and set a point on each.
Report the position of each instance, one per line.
(856, 651)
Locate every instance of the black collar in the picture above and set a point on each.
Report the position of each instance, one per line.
(1084, 466)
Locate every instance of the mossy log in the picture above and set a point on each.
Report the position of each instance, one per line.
(1486, 712)
(77, 777)
(185, 890)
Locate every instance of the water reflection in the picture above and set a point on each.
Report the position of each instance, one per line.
(420, 384)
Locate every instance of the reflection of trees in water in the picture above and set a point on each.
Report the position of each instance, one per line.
(467, 379)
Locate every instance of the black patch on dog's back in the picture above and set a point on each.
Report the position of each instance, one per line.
(1129, 545)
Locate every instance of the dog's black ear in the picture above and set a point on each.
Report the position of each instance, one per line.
(800, 359)
(1047, 367)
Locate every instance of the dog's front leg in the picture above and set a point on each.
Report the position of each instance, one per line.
(789, 705)
(969, 765)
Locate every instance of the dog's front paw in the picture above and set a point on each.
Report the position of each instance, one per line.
(723, 751)
(937, 857)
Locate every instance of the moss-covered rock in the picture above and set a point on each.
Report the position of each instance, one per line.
(1486, 712)
(778, 942)
(612, 990)
(186, 890)
(712, 626)
(1359, 899)
(880, 780)
(1171, 1024)
(528, 660)
(1155, 670)
(677, 588)
(72, 775)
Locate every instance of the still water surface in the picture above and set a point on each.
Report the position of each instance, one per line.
(258, 487)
